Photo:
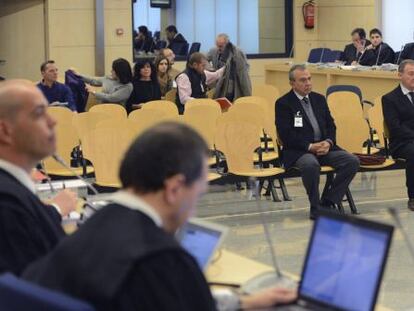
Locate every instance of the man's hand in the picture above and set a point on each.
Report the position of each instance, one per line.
(324, 148)
(66, 200)
(267, 298)
(314, 147)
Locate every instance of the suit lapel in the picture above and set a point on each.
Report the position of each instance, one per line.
(405, 99)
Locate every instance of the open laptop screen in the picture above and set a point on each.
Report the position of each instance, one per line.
(200, 239)
(345, 262)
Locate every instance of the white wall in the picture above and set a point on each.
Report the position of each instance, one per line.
(147, 16)
(398, 22)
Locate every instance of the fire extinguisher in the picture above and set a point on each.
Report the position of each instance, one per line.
(308, 10)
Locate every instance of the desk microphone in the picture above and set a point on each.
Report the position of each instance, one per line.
(323, 51)
(291, 51)
(271, 278)
(58, 159)
(48, 179)
(379, 52)
(399, 55)
(394, 214)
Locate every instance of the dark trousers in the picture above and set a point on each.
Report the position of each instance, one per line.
(407, 153)
(346, 165)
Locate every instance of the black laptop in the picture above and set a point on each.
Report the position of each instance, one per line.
(344, 264)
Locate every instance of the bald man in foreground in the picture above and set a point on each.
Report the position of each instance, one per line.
(28, 228)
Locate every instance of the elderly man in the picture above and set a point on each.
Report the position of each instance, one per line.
(236, 81)
(135, 262)
(398, 110)
(168, 53)
(353, 51)
(308, 133)
(28, 228)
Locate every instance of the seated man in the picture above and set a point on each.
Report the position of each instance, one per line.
(132, 260)
(308, 134)
(54, 91)
(192, 82)
(398, 110)
(353, 51)
(29, 228)
(407, 52)
(176, 41)
(378, 52)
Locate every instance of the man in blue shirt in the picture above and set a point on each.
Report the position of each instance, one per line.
(54, 91)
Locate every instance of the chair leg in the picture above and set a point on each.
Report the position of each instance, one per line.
(351, 202)
(341, 208)
(285, 193)
(273, 191)
(329, 178)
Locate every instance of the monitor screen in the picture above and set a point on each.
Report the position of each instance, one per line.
(344, 264)
(200, 242)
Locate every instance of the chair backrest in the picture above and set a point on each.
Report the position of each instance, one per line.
(270, 92)
(202, 102)
(180, 48)
(203, 118)
(351, 128)
(17, 294)
(92, 101)
(161, 44)
(195, 47)
(334, 55)
(315, 55)
(141, 119)
(171, 94)
(237, 138)
(66, 136)
(170, 108)
(112, 110)
(376, 119)
(344, 88)
(86, 121)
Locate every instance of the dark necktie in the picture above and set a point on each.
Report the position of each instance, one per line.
(412, 97)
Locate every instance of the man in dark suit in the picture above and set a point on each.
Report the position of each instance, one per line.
(378, 52)
(407, 52)
(398, 110)
(353, 51)
(176, 41)
(28, 228)
(308, 134)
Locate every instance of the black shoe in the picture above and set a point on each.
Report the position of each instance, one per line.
(410, 204)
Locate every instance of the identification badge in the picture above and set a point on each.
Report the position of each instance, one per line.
(298, 121)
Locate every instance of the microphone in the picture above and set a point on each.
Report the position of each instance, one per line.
(58, 159)
(394, 214)
(379, 52)
(291, 51)
(271, 278)
(323, 51)
(48, 179)
(399, 55)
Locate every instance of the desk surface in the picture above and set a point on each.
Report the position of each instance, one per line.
(235, 269)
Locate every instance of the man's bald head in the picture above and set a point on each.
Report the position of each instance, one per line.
(13, 95)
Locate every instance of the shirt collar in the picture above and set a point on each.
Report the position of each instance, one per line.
(131, 201)
(20, 174)
(300, 96)
(42, 82)
(404, 89)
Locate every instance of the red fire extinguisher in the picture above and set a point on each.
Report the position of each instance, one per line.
(308, 10)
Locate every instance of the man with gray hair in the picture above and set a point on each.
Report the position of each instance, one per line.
(398, 110)
(308, 134)
(236, 81)
(28, 228)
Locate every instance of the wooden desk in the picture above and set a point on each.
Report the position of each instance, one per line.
(235, 269)
(373, 83)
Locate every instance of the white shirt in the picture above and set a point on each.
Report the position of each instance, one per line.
(131, 201)
(406, 91)
(300, 96)
(20, 174)
(184, 84)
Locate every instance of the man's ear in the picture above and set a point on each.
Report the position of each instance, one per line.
(5, 132)
(173, 188)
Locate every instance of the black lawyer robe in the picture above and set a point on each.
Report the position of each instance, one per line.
(29, 229)
(120, 260)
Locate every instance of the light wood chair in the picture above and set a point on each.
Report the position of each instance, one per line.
(66, 140)
(171, 95)
(167, 106)
(112, 110)
(142, 119)
(87, 121)
(202, 102)
(270, 92)
(92, 101)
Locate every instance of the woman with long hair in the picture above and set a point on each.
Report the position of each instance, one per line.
(163, 67)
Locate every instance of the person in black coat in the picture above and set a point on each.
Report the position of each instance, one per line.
(176, 41)
(308, 134)
(125, 257)
(353, 51)
(378, 52)
(144, 42)
(407, 52)
(29, 229)
(146, 85)
(398, 110)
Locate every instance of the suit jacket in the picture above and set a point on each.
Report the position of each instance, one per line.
(296, 140)
(407, 52)
(399, 116)
(386, 55)
(177, 45)
(350, 53)
(28, 228)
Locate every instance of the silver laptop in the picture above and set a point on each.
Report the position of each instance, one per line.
(201, 239)
(344, 264)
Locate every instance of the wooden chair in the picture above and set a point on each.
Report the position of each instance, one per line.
(112, 110)
(92, 101)
(202, 102)
(171, 95)
(87, 121)
(66, 140)
(238, 140)
(142, 119)
(270, 92)
(164, 105)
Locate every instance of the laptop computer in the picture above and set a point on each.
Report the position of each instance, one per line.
(201, 239)
(344, 264)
